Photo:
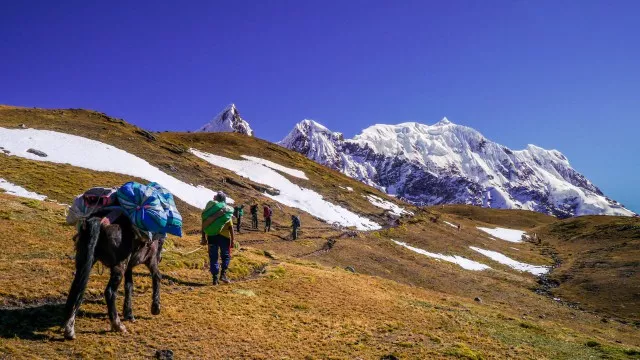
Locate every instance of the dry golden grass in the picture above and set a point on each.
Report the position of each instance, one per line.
(295, 309)
(600, 266)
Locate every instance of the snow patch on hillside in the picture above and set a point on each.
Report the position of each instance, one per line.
(270, 164)
(387, 205)
(94, 155)
(510, 235)
(505, 260)
(463, 262)
(450, 224)
(290, 194)
(15, 190)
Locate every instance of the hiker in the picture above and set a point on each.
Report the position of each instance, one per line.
(267, 213)
(295, 224)
(459, 227)
(217, 232)
(254, 216)
(238, 212)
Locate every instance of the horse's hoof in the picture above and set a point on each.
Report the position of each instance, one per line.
(155, 309)
(119, 328)
(69, 334)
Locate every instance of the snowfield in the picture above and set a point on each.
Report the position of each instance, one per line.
(510, 235)
(463, 262)
(94, 155)
(270, 164)
(387, 205)
(290, 194)
(505, 260)
(15, 190)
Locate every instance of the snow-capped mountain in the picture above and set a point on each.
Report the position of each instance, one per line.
(228, 120)
(448, 163)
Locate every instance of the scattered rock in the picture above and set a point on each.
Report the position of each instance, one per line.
(164, 354)
(604, 320)
(268, 254)
(350, 269)
(22, 126)
(37, 152)
(244, 292)
(172, 168)
(146, 134)
(389, 357)
(477, 299)
(329, 244)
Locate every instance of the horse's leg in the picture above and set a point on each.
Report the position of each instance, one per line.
(127, 312)
(110, 296)
(155, 274)
(85, 249)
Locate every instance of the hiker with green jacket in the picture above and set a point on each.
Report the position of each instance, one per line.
(238, 212)
(217, 232)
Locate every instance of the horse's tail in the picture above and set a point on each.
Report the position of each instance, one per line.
(85, 251)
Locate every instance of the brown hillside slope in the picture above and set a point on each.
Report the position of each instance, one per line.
(284, 308)
(600, 266)
(169, 152)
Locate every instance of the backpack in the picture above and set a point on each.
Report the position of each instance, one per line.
(143, 206)
(236, 211)
(174, 219)
(216, 214)
(296, 221)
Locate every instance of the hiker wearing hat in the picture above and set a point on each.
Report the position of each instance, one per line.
(217, 232)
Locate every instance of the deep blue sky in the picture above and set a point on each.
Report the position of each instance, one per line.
(559, 74)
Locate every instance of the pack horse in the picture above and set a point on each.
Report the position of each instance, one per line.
(108, 232)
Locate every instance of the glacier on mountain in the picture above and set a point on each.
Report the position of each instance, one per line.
(448, 163)
(229, 120)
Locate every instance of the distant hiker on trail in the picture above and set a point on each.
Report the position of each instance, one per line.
(217, 232)
(254, 216)
(459, 227)
(267, 213)
(295, 224)
(238, 212)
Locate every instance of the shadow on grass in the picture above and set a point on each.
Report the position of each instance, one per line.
(28, 323)
(174, 280)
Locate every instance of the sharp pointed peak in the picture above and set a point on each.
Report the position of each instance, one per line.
(444, 121)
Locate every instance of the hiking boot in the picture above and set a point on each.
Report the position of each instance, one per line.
(215, 280)
(224, 278)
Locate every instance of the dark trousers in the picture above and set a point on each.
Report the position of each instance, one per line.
(295, 233)
(267, 224)
(239, 223)
(219, 243)
(254, 221)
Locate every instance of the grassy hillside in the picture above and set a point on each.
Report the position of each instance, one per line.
(279, 308)
(169, 152)
(600, 268)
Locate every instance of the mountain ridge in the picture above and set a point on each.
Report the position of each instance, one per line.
(450, 163)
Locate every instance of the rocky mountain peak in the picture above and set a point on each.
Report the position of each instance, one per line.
(228, 120)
